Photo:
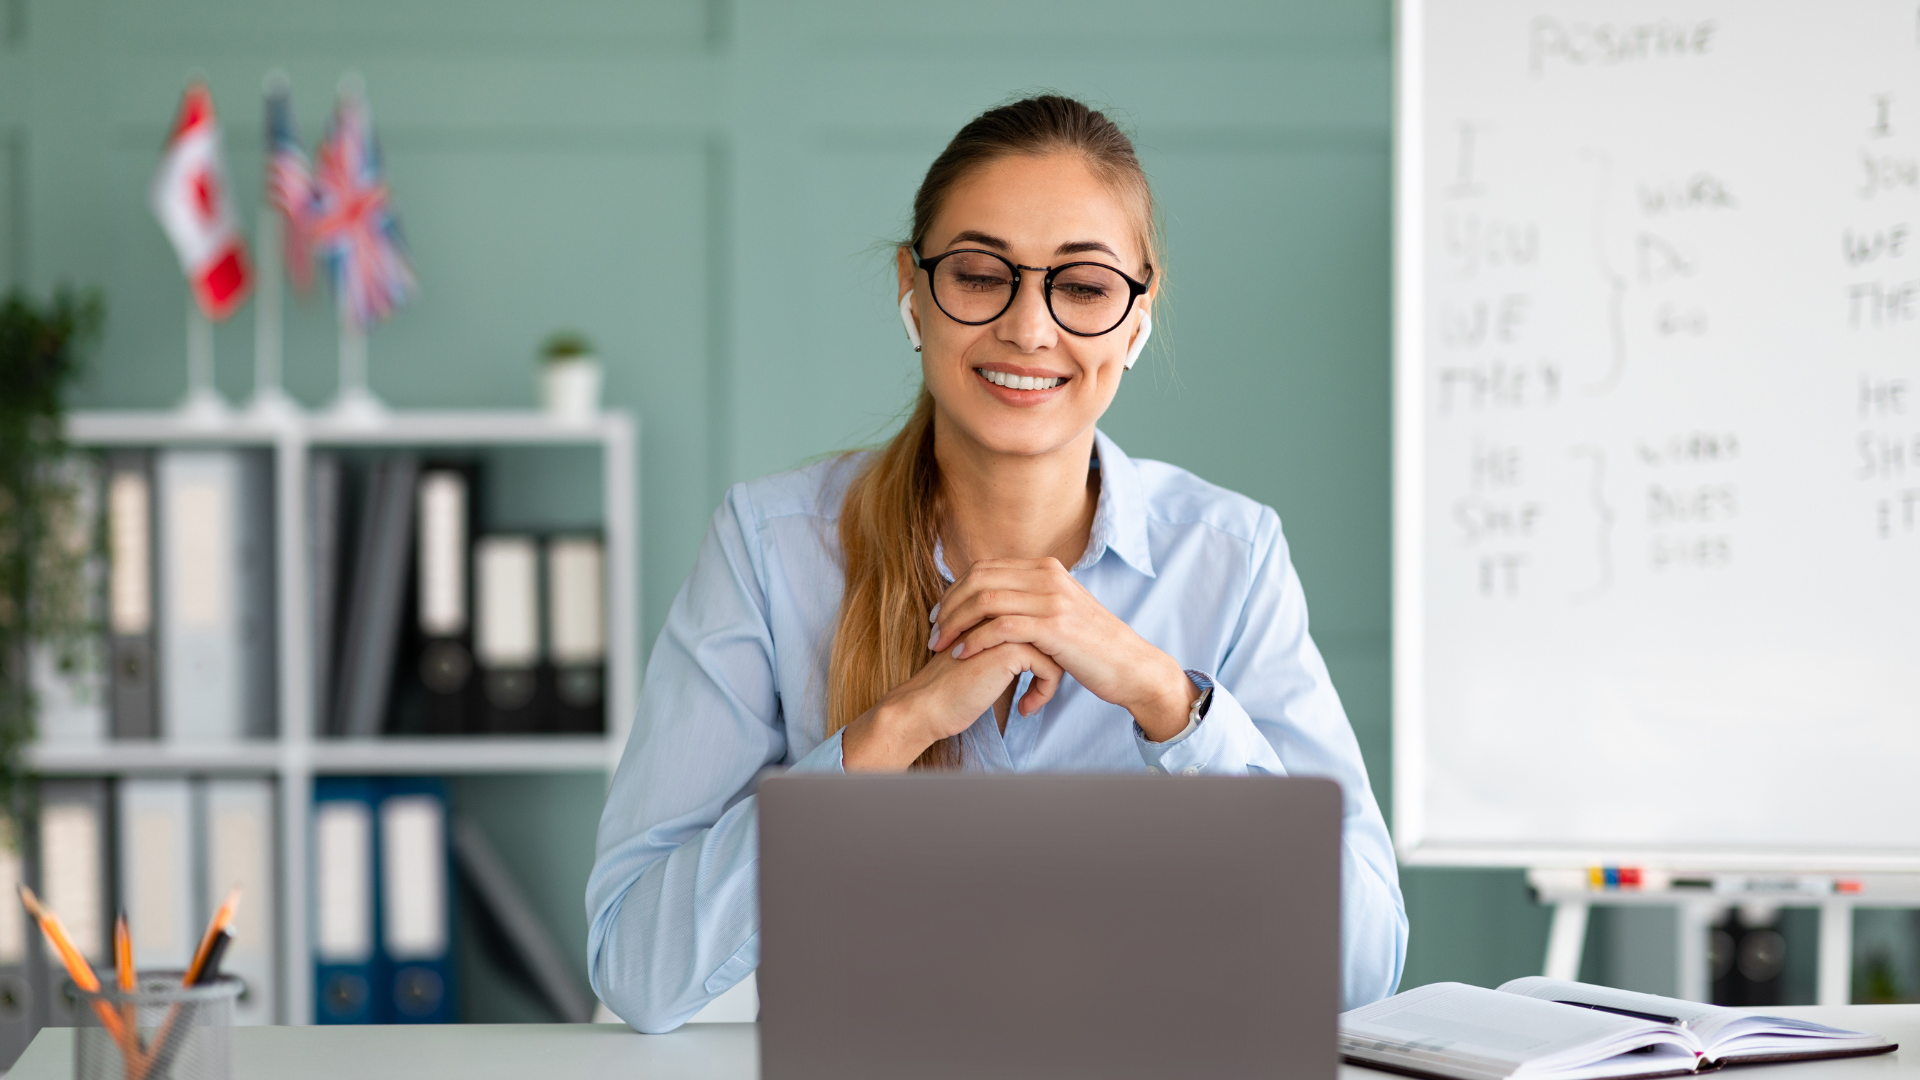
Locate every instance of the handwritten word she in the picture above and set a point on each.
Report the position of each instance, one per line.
(1582, 44)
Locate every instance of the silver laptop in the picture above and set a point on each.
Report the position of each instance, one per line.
(927, 927)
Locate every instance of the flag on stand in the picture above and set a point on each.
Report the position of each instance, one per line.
(354, 226)
(290, 188)
(190, 198)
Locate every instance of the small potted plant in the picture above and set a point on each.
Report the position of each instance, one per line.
(570, 377)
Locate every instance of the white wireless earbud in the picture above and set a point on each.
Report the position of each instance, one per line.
(1139, 343)
(913, 328)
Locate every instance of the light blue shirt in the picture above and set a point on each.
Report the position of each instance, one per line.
(737, 682)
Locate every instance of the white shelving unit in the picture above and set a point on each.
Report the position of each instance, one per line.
(298, 754)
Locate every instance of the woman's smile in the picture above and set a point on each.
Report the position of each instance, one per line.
(1018, 385)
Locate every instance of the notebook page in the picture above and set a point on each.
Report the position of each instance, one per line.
(1481, 1032)
(1714, 1024)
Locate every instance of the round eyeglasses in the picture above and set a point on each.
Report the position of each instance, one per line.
(975, 287)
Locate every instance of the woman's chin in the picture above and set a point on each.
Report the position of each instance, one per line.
(1022, 435)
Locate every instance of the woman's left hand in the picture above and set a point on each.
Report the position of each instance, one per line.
(1038, 602)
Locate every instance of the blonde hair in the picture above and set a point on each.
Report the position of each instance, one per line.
(891, 516)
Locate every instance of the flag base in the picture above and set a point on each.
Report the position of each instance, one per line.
(357, 407)
(270, 403)
(203, 407)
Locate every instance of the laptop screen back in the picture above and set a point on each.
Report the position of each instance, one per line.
(936, 926)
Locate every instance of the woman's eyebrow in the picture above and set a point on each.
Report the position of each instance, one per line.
(1071, 247)
(972, 236)
(1076, 247)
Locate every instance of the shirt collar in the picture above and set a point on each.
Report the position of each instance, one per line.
(1119, 520)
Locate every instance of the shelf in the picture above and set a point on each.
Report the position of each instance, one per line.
(465, 426)
(438, 756)
(399, 427)
(432, 756)
(295, 760)
(115, 758)
(114, 428)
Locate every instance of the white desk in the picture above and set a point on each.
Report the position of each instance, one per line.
(728, 1052)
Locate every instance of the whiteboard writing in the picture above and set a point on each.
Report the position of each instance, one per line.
(1659, 475)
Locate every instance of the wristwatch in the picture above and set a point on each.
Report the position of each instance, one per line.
(1200, 705)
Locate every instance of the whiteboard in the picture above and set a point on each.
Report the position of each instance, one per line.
(1657, 421)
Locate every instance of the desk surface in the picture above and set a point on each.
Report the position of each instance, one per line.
(728, 1051)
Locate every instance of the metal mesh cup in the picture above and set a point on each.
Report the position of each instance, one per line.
(159, 1031)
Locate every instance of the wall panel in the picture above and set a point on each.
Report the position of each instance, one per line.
(707, 187)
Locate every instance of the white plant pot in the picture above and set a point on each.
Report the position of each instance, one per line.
(570, 388)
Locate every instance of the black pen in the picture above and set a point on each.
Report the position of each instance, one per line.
(1624, 1012)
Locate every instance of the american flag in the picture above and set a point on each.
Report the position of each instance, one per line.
(354, 226)
(290, 188)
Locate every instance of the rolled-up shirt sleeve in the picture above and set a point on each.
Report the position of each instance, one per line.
(673, 899)
(1274, 710)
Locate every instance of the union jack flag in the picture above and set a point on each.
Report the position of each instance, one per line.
(290, 188)
(354, 226)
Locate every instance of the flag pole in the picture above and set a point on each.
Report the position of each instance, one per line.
(203, 404)
(355, 403)
(270, 402)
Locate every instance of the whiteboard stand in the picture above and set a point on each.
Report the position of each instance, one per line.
(1567, 939)
(1836, 952)
(1700, 899)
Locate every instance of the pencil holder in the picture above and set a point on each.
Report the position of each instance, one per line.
(158, 1031)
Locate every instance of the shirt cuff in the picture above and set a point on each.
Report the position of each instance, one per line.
(1225, 742)
(825, 758)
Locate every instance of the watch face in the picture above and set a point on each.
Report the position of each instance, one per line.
(1200, 704)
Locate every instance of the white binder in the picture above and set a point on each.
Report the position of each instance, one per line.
(239, 841)
(74, 882)
(216, 595)
(157, 878)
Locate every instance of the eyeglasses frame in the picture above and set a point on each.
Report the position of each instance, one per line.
(1137, 288)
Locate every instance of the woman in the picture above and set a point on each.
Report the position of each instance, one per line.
(999, 587)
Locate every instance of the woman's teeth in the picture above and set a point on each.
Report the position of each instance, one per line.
(1018, 382)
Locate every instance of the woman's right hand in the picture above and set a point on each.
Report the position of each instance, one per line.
(941, 700)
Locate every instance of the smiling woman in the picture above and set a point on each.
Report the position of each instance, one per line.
(999, 587)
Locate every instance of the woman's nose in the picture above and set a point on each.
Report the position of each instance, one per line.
(1028, 325)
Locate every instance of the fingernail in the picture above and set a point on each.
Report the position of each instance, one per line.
(959, 650)
(934, 615)
(933, 637)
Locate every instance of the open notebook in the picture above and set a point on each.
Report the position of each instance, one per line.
(1549, 1029)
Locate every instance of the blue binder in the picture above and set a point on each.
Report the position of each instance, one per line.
(415, 966)
(345, 885)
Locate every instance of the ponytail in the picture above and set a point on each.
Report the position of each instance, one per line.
(888, 525)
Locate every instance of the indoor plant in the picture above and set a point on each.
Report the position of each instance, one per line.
(570, 377)
(42, 579)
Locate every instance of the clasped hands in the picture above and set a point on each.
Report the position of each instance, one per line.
(1005, 617)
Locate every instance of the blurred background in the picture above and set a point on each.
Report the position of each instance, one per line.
(707, 189)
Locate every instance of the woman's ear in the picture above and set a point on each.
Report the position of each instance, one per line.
(903, 265)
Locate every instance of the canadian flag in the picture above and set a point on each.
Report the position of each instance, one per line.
(190, 199)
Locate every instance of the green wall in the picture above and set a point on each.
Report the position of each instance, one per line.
(706, 189)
